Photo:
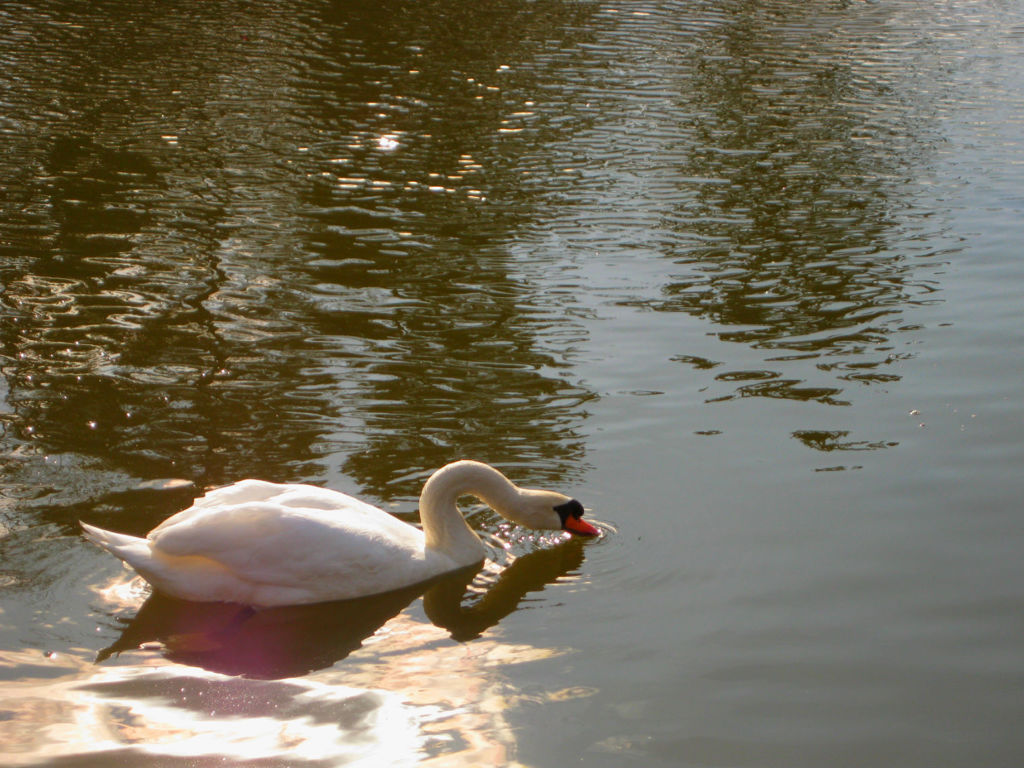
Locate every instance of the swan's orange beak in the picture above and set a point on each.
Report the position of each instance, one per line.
(580, 526)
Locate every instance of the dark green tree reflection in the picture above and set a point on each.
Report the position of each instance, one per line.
(269, 242)
(789, 233)
(449, 352)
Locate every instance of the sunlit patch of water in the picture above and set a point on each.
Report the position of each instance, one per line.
(156, 710)
(410, 697)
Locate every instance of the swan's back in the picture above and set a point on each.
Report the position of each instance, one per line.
(293, 496)
(268, 544)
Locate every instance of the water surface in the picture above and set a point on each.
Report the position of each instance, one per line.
(741, 276)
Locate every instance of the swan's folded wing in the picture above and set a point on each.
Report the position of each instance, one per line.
(244, 492)
(271, 543)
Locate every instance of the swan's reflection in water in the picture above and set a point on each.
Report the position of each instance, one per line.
(410, 697)
(293, 641)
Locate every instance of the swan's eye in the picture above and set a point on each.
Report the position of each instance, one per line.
(572, 519)
(571, 508)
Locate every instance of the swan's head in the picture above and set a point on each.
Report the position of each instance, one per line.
(547, 510)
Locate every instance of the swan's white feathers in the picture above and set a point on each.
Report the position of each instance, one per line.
(267, 544)
(295, 496)
(245, 531)
(254, 534)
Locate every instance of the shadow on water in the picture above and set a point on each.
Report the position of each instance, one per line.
(292, 641)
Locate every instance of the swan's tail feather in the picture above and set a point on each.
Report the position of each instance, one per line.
(187, 577)
(131, 549)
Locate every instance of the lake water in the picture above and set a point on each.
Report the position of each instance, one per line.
(744, 277)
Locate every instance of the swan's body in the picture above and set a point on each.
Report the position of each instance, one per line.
(265, 544)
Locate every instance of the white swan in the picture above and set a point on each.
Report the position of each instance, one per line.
(265, 544)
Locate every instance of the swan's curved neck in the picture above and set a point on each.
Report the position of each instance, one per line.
(444, 526)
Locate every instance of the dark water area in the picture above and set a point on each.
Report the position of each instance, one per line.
(742, 276)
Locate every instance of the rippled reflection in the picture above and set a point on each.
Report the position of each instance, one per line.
(278, 241)
(437, 703)
(793, 188)
(765, 153)
(293, 641)
(410, 692)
